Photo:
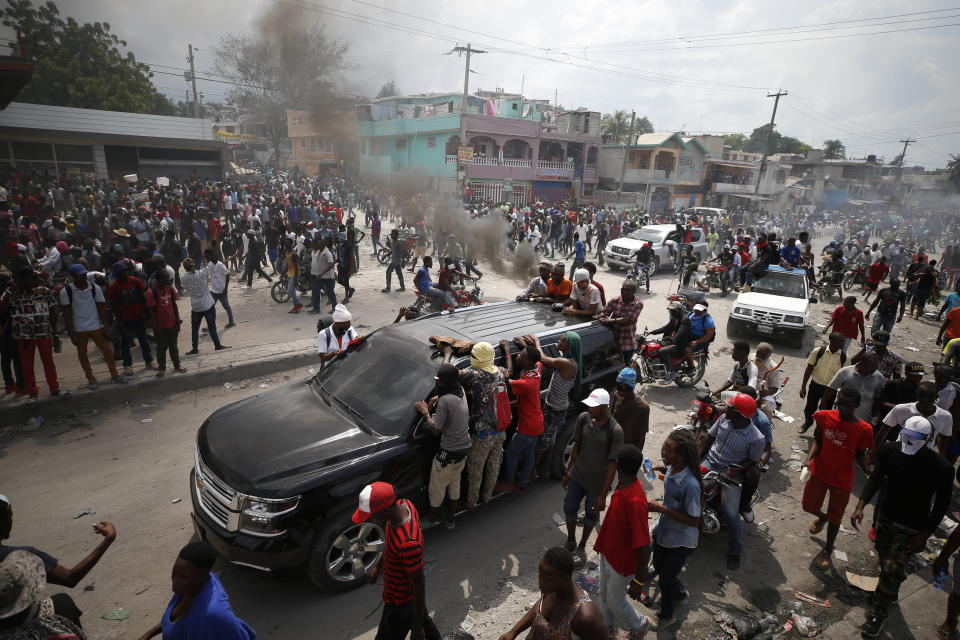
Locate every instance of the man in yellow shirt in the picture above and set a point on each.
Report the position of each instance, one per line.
(822, 364)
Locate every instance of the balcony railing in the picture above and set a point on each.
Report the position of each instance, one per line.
(560, 166)
(492, 162)
(511, 162)
(591, 168)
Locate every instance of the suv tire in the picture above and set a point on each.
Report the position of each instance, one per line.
(341, 539)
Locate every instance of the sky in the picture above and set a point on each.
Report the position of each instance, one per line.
(695, 66)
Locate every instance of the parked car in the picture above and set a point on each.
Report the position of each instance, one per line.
(778, 303)
(709, 214)
(276, 476)
(620, 253)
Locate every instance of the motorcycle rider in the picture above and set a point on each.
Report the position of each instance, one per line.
(732, 447)
(689, 263)
(677, 333)
(834, 270)
(644, 261)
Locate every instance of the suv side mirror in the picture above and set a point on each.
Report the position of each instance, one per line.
(813, 300)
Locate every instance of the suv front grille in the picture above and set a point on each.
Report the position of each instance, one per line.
(766, 316)
(218, 500)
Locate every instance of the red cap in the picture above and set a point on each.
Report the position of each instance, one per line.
(374, 497)
(744, 405)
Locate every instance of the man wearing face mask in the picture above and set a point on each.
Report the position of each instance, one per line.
(919, 483)
(333, 341)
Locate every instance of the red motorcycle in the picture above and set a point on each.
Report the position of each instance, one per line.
(463, 296)
(649, 368)
(718, 276)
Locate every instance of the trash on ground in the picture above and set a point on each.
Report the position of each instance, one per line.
(797, 450)
(311, 371)
(89, 511)
(840, 555)
(116, 614)
(175, 501)
(589, 582)
(745, 626)
(147, 420)
(89, 587)
(911, 349)
(806, 627)
(468, 623)
(806, 597)
(780, 415)
(264, 385)
(772, 508)
(227, 385)
(848, 532)
(144, 590)
(864, 583)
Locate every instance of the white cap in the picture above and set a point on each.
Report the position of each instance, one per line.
(342, 314)
(597, 397)
(914, 434)
(699, 307)
(580, 275)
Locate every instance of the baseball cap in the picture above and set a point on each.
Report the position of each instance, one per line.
(881, 337)
(22, 579)
(914, 434)
(627, 376)
(914, 368)
(77, 269)
(121, 266)
(374, 497)
(699, 307)
(580, 275)
(597, 397)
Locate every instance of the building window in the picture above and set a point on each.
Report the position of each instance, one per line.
(515, 106)
(400, 144)
(303, 143)
(431, 142)
(632, 158)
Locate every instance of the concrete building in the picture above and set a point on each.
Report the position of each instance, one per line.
(63, 141)
(322, 142)
(667, 168)
(733, 183)
(503, 148)
(837, 182)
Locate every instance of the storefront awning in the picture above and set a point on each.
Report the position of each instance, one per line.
(749, 196)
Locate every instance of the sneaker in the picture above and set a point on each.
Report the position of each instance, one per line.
(161, 373)
(670, 377)
(402, 289)
(92, 384)
(152, 365)
(449, 524)
(638, 634)
(220, 347)
(118, 380)
(872, 534)
(60, 393)
(747, 515)
(871, 627)
(733, 562)
(128, 371)
(230, 325)
(385, 290)
(192, 352)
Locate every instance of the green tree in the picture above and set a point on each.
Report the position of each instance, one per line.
(834, 149)
(295, 71)
(778, 143)
(953, 166)
(616, 126)
(735, 141)
(80, 65)
(791, 145)
(388, 89)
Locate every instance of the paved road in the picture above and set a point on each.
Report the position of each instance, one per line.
(131, 471)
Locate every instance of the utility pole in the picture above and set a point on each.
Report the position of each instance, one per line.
(766, 145)
(626, 154)
(903, 157)
(193, 82)
(463, 102)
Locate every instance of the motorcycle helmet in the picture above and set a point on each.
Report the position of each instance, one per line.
(744, 405)
(676, 306)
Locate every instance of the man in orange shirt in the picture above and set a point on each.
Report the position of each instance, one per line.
(558, 286)
(950, 326)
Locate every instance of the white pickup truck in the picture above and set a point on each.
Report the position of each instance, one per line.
(777, 304)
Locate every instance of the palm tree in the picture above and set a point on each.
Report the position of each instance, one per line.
(834, 149)
(616, 126)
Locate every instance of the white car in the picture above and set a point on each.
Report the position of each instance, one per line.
(621, 253)
(778, 303)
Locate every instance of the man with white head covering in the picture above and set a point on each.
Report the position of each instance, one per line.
(919, 483)
(333, 341)
(584, 297)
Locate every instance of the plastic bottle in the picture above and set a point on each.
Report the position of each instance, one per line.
(648, 470)
(939, 580)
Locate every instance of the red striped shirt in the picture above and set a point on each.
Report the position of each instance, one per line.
(402, 556)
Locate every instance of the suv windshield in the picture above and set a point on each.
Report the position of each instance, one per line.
(647, 235)
(378, 384)
(780, 284)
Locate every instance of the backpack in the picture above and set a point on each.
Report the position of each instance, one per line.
(823, 349)
(502, 400)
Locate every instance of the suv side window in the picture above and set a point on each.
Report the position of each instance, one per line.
(600, 351)
(695, 236)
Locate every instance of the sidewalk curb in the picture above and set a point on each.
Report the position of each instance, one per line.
(110, 394)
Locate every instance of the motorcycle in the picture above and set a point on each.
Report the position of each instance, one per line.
(854, 276)
(649, 368)
(281, 294)
(713, 482)
(464, 298)
(718, 275)
(828, 282)
(641, 273)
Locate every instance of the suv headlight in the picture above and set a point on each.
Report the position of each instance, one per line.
(793, 319)
(743, 311)
(260, 515)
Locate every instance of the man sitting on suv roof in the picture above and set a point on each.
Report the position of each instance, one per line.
(584, 298)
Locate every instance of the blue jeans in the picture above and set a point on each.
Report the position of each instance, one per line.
(327, 286)
(883, 322)
(730, 508)
(134, 329)
(440, 296)
(210, 315)
(224, 302)
(576, 493)
(518, 459)
(613, 599)
(553, 420)
(292, 288)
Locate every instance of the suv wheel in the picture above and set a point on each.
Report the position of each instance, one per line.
(343, 552)
(656, 265)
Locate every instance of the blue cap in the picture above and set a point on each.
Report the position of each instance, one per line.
(627, 375)
(77, 270)
(120, 267)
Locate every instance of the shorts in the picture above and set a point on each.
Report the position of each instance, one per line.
(871, 286)
(420, 251)
(553, 419)
(445, 481)
(816, 490)
(577, 493)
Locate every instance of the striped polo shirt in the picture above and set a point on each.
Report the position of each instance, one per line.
(402, 556)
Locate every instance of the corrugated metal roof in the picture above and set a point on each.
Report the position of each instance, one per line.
(115, 123)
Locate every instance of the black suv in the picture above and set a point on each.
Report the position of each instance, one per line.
(276, 476)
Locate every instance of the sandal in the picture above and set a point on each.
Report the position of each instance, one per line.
(817, 526)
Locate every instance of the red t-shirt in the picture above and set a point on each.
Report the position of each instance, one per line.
(847, 322)
(402, 555)
(840, 442)
(529, 412)
(163, 306)
(127, 298)
(624, 529)
(877, 272)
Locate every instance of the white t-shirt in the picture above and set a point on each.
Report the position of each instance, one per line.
(947, 395)
(750, 374)
(196, 286)
(586, 298)
(772, 381)
(868, 387)
(86, 317)
(328, 341)
(218, 277)
(941, 420)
